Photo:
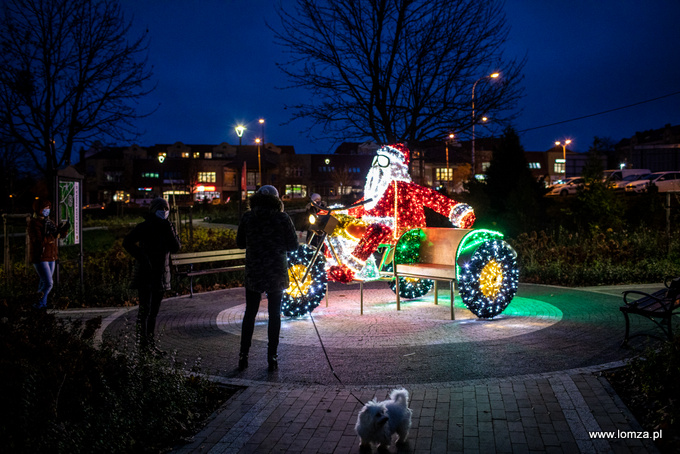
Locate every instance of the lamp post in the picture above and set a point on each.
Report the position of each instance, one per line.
(240, 129)
(564, 153)
(259, 164)
(261, 121)
(451, 136)
(474, 119)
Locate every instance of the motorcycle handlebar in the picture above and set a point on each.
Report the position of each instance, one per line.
(354, 205)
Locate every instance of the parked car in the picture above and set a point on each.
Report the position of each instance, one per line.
(568, 186)
(620, 185)
(664, 181)
(612, 176)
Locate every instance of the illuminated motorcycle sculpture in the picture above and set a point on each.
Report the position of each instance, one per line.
(391, 212)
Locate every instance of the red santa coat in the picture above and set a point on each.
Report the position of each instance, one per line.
(408, 205)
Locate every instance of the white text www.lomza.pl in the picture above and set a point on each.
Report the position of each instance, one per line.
(656, 435)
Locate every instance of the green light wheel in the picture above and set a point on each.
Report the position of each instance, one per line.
(488, 279)
(302, 297)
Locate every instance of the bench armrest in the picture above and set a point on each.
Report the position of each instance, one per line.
(639, 295)
(667, 304)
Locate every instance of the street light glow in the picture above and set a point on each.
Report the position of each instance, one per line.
(494, 75)
(564, 153)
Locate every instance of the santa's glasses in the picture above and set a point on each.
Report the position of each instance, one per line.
(380, 160)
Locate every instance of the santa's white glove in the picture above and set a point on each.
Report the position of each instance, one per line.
(462, 216)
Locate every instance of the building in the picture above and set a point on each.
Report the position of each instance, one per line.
(656, 149)
(186, 174)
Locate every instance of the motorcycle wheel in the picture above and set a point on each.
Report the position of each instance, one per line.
(488, 281)
(301, 298)
(410, 287)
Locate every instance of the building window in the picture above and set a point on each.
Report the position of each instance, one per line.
(197, 154)
(485, 166)
(294, 171)
(534, 165)
(229, 177)
(207, 155)
(296, 191)
(113, 176)
(207, 177)
(559, 166)
(185, 154)
(175, 177)
(121, 196)
(444, 174)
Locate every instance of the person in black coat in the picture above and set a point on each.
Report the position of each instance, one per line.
(151, 243)
(267, 234)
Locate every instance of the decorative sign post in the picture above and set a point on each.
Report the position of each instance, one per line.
(69, 209)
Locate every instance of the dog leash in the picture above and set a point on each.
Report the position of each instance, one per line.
(323, 347)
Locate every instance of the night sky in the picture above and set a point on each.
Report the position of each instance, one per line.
(214, 65)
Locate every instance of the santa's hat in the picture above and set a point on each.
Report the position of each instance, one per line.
(397, 151)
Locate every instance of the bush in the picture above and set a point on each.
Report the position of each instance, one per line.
(599, 257)
(62, 394)
(648, 386)
(107, 269)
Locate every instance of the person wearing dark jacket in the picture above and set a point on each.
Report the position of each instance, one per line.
(151, 242)
(267, 234)
(43, 245)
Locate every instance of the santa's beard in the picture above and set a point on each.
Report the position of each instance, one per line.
(379, 179)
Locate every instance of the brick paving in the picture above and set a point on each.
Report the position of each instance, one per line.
(527, 382)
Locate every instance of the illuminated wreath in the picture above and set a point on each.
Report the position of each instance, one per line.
(301, 298)
(488, 282)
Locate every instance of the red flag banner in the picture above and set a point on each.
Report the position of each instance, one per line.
(244, 179)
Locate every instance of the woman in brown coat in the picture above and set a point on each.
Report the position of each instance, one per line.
(43, 237)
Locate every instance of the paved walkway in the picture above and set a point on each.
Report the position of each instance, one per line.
(528, 381)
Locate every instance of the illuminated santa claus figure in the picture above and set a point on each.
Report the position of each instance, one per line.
(396, 204)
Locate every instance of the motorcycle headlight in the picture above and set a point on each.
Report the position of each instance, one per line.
(312, 219)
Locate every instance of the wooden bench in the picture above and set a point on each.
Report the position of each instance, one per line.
(436, 260)
(184, 263)
(658, 307)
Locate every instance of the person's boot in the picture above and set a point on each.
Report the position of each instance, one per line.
(242, 361)
(38, 298)
(273, 361)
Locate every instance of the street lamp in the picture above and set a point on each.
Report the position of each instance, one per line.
(564, 152)
(259, 164)
(240, 129)
(474, 120)
(261, 121)
(451, 136)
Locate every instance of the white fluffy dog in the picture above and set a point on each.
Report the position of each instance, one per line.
(378, 421)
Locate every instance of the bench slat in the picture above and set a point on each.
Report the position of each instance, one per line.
(221, 253)
(189, 258)
(427, 270)
(216, 270)
(207, 259)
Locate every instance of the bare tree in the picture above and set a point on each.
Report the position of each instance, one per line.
(68, 74)
(398, 70)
